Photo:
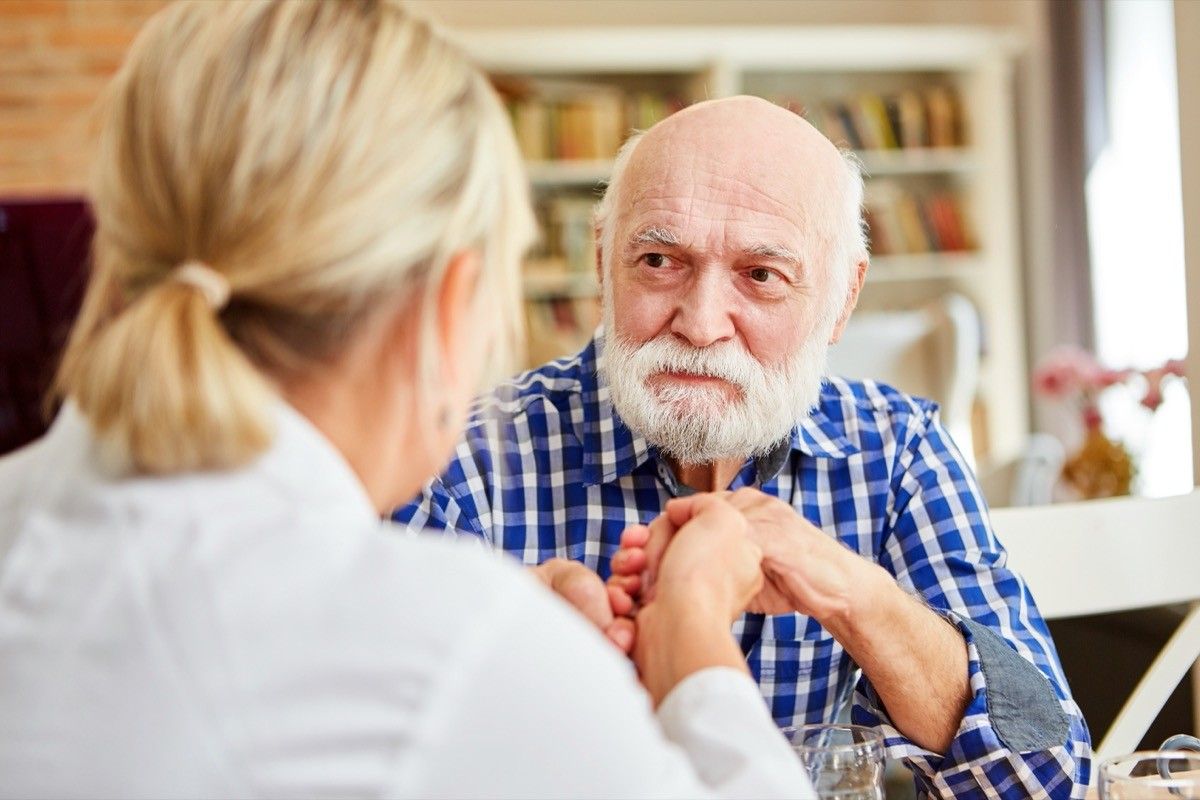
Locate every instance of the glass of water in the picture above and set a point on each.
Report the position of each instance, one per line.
(1148, 775)
(842, 761)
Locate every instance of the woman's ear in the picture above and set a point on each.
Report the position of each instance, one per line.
(459, 331)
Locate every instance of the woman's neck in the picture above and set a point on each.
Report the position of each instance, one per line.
(368, 423)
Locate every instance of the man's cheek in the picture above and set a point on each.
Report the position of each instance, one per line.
(642, 318)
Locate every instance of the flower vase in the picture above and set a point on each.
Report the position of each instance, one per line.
(1100, 468)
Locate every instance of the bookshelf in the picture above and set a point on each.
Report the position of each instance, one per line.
(927, 110)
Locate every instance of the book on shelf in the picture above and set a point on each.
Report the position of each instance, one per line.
(558, 327)
(566, 120)
(574, 225)
(568, 231)
(903, 221)
(929, 117)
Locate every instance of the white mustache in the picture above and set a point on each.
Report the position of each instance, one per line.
(727, 361)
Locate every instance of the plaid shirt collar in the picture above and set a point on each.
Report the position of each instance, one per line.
(611, 450)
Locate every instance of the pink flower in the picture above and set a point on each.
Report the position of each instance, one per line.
(1154, 396)
(1066, 370)
(1106, 377)
(1070, 372)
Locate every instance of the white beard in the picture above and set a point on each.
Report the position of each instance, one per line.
(702, 424)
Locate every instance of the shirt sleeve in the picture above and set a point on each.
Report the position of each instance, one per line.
(438, 510)
(544, 707)
(1022, 734)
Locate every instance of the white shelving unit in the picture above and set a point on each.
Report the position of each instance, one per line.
(832, 62)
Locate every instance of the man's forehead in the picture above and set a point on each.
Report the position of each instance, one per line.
(713, 217)
(738, 180)
(684, 189)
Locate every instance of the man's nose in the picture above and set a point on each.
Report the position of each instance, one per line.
(703, 316)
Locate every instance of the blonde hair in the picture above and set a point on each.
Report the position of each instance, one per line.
(328, 160)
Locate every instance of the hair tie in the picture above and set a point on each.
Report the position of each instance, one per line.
(212, 284)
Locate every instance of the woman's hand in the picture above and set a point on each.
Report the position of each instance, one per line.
(704, 557)
(706, 571)
(605, 607)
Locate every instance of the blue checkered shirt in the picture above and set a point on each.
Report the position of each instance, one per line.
(547, 469)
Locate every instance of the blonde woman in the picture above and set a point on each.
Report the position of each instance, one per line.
(309, 223)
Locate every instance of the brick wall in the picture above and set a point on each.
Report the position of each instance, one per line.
(55, 58)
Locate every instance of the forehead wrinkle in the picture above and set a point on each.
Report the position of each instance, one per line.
(700, 179)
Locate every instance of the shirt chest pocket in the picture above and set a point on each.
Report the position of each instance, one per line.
(818, 661)
(802, 680)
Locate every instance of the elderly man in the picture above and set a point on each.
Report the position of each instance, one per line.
(731, 254)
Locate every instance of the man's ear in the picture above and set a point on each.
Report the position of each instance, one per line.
(457, 318)
(596, 233)
(856, 284)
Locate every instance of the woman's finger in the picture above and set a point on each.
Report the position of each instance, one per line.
(622, 633)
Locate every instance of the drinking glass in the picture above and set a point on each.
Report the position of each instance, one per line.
(844, 762)
(1151, 775)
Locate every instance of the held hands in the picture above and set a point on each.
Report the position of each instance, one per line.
(713, 569)
(708, 561)
(721, 554)
(804, 569)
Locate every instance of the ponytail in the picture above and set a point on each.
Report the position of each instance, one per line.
(330, 158)
(164, 385)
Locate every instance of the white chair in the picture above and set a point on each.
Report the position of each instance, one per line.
(931, 351)
(1029, 479)
(1103, 556)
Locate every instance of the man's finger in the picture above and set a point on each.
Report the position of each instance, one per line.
(680, 510)
(629, 562)
(747, 498)
(661, 531)
(630, 584)
(619, 601)
(635, 536)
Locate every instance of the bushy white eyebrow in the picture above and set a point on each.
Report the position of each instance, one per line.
(655, 235)
(665, 237)
(774, 252)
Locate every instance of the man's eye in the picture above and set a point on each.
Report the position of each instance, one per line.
(760, 274)
(655, 260)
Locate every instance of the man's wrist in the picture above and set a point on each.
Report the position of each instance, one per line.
(871, 598)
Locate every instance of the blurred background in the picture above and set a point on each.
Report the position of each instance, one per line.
(1024, 201)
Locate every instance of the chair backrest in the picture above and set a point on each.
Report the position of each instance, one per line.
(931, 351)
(1027, 480)
(1103, 556)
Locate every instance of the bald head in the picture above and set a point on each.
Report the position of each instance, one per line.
(740, 142)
